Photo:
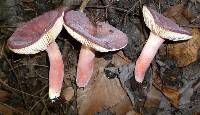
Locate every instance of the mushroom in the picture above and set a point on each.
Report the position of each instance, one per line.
(161, 28)
(101, 37)
(37, 35)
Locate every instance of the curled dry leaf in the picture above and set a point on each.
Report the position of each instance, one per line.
(68, 93)
(102, 92)
(180, 14)
(153, 98)
(172, 94)
(5, 110)
(185, 52)
(4, 95)
(132, 112)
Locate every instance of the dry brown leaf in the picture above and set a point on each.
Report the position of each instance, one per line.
(133, 113)
(68, 93)
(186, 52)
(172, 94)
(103, 92)
(196, 113)
(4, 95)
(175, 13)
(153, 98)
(5, 110)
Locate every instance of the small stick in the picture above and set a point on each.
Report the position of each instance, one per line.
(83, 5)
(37, 103)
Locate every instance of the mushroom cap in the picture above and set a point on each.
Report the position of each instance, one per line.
(38, 33)
(102, 37)
(163, 26)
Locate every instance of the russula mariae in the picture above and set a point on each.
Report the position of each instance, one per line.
(161, 28)
(37, 35)
(101, 37)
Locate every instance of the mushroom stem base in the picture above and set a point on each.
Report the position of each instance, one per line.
(148, 53)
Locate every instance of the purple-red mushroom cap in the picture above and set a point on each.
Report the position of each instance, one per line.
(37, 35)
(163, 26)
(102, 37)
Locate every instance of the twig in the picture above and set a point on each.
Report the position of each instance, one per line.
(191, 26)
(38, 65)
(40, 90)
(4, 26)
(45, 107)
(83, 5)
(197, 17)
(16, 90)
(130, 10)
(103, 7)
(10, 107)
(123, 58)
(37, 103)
(2, 49)
(40, 75)
(17, 77)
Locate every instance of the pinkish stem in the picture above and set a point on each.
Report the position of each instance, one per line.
(85, 66)
(56, 71)
(148, 53)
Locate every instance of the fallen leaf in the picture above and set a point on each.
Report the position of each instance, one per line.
(4, 96)
(101, 92)
(153, 98)
(186, 95)
(185, 53)
(68, 93)
(172, 95)
(5, 110)
(179, 14)
(196, 113)
(132, 112)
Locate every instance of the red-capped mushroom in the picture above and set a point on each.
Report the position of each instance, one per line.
(37, 35)
(102, 37)
(161, 28)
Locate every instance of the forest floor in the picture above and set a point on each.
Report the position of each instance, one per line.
(171, 85)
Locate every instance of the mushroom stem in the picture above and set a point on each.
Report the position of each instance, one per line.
(56, 71)
(85, 66)
(148, 53)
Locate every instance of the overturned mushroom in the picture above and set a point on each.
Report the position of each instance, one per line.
(37, 35)
(161, 28)
(102, 37)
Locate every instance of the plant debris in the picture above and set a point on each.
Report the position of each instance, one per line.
(171, 85)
